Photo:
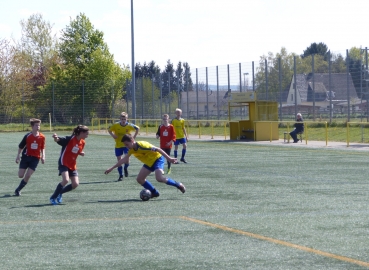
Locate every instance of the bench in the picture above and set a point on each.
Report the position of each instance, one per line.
(287, 138)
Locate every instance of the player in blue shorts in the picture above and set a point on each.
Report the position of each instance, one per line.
(153, 159)
(181, 135)
(117, 131)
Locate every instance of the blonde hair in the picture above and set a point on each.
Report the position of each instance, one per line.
(178, 110)
(166, 115)
(124, 114)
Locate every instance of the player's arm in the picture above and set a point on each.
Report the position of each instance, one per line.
(21, 146)
(125, 159)
(184, 131)
(158, 133)
(170, 159)
(137, 128)
(112, 134)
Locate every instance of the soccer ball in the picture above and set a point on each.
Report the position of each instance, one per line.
(145, 195)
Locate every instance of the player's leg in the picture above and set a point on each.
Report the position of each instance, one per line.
(26, 169)
(158, 167)
(167, 151)
(125, 151)
(64, 172)
(141, 179)
(176, 143)
(119, 154)
(184, 149)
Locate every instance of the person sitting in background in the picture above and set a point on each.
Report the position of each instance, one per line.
(299, 128)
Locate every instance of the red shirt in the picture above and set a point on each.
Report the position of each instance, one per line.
(71, 148)
(166, 134)
(32, 145)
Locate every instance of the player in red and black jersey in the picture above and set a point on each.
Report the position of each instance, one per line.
(167, 136)
(72, 147)
(32, 148)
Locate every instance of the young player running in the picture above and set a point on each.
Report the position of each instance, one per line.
(32, 148)
(167, 136)
(117, 131)
(72, 147)
(153, 159)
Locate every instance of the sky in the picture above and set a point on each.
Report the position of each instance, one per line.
(204, 33)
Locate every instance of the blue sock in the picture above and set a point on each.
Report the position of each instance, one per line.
(126, 166)
(21, 185)
(171, 182)
(183, 153)
(120, 171)
(149, 186)
(175, 153)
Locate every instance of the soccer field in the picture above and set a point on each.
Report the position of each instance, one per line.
(247, 206)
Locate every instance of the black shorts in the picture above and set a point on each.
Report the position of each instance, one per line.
(28, 162)
(71, 173)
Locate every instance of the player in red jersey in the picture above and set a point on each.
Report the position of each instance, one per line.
(167, 136)
(72, 147)
(32, 148)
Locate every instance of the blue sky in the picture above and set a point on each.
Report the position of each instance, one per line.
(204, 33)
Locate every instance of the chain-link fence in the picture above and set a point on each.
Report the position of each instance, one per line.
(331, 86)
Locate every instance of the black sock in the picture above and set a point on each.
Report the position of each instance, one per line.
(67, 189)
(57, 191)
(21, 185)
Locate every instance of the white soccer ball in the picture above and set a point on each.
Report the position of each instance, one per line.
(145, 195)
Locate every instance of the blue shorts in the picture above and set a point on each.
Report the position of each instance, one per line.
(71, 173)
(180, 141)
(158, 164)
(28, 162)
(120, 151)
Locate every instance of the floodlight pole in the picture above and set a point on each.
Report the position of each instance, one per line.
(133, 90)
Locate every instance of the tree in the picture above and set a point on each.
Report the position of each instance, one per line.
(316, 48)
(38, 45)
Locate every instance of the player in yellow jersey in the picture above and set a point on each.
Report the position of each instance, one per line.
(181, 135)
(117, 131)
(153, 159)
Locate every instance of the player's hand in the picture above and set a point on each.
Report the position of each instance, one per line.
(108, 170)
(82, 154)
(42, 160)
(17, 159)
(173, 160)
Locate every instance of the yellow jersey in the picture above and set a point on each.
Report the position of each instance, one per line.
(120, 131)
(179, 125)
(146, 153)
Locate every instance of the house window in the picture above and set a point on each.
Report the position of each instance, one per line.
(291, 97)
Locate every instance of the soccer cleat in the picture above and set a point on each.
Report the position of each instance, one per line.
(183, 160)
(181, 187)
(120, 178)
(53, 201)
(59, 199)
(169, 171)
(17, 192)
(155, 194)
(126, 172)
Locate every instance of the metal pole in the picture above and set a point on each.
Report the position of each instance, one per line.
(312, 69)
(187, 89)
(207, 95)
(218, 94)
(239, 69)
(253, 76)
(169, 91)
(266, 79)
(348, 86)
(142, 98)
(197, 94)
(152, 91)
(330, 87)
(178, 91)
(366, 84)
(229, 81)
(53, 103)
(295, 82)
(361, 89)
(133, 67)
(83, 102)
(161, 95)
(280, 87)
